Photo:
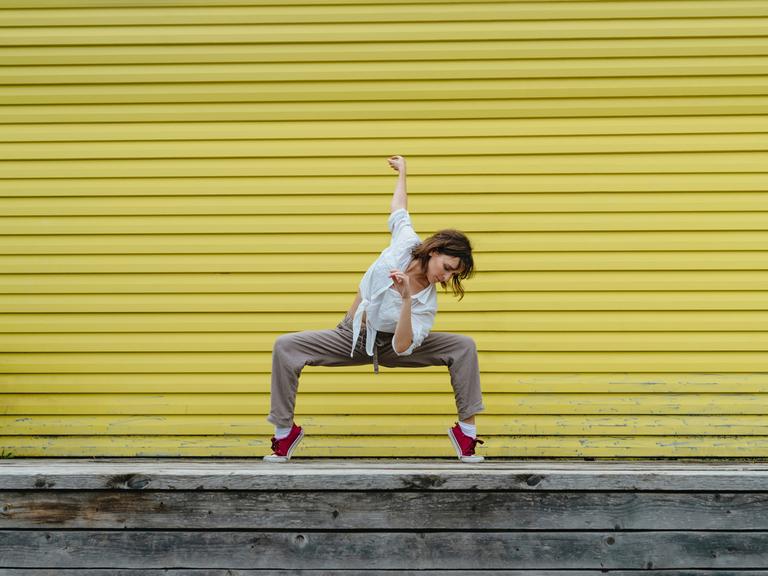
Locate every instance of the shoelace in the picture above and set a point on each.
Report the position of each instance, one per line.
(275, 444)
(475, 442)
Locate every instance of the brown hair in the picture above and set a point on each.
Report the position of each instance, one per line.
(451, 243)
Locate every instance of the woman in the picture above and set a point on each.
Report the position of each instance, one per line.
(396, 303)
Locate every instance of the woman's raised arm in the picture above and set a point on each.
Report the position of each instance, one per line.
(400, 197)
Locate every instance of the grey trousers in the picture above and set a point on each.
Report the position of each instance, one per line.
(291, 352)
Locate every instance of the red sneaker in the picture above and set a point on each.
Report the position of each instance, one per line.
(283, 448)
(464, 445)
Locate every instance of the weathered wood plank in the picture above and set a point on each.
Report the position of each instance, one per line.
(310, 572)
(174, 474)
(392, 550)
(387, 510)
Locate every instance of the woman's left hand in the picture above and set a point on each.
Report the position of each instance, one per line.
(402, 282)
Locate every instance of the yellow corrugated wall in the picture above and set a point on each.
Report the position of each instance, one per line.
(184, 181)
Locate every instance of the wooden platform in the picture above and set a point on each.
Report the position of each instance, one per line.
(222, 516)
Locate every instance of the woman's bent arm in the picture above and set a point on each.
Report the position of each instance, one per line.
(355, 304)
(404, 330)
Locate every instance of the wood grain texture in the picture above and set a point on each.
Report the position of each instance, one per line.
(381, 510)
(421, 549)
(372, 572)
(207, 517)
(384, 474)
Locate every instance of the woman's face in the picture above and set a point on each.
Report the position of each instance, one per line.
(441, 267)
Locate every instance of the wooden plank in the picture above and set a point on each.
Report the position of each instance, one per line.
(638, 162)
(315, 380)
(435, 446)
(292, 223)
(289, 13)
(386, 474)
(363, 242)
(345, 402)
(310, 572)
(360, 129)
(208, 147)
(383, 425)
(517, 341)
(656, 28)
(368, 189)
(401, 51)
(390, 510)
(477, 70)
(366, 550)
(718, 258)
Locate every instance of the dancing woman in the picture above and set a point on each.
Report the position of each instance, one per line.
(396, 304)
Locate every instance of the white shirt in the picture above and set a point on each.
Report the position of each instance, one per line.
(381, 303)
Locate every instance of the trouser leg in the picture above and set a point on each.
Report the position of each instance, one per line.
(291, 352)
(456, 351)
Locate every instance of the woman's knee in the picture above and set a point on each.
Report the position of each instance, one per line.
(461, 348)
(286, 356)
(466, 344)
(284, 345)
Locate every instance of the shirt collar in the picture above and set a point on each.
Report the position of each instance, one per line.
(423, 296)
(403, 251)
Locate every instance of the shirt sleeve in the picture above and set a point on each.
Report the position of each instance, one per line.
(400, 225)
(421, 324)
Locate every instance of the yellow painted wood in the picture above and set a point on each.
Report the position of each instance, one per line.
(726, 161)
(540, 191)
(220, 13)
(403, 51)
(303, 206)
(345, 71)
(185, 180)
(531, 131)
(383, 403)
(346, 283)
(318, 380)
(368, 243)
(513, 341)
(628, 105)
(384, 425)
(208, 4)
(439, 446)
(372, 89)
(436, 30)
(163, 362)
(545, 222)
(301, 266)
(446, 321)
(319, 148)
(563, 301)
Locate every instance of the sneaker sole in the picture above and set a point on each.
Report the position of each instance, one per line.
(468, 459)
(273, 458)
